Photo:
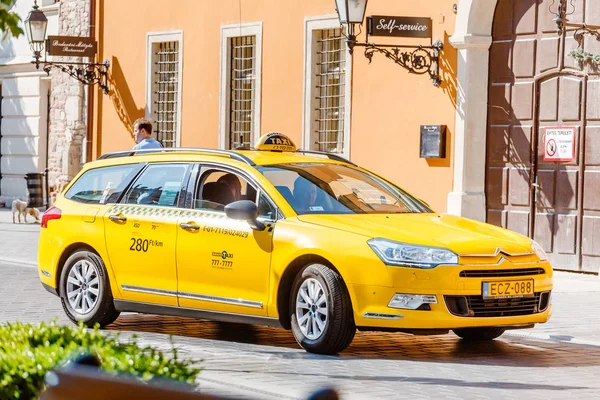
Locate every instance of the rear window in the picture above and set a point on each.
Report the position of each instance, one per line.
(95, 185)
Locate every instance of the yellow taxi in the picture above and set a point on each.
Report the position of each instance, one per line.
(272, 235)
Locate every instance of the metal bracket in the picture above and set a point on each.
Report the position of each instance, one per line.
(415, 59)
(563, 9)
(86, 73)
(583, 30)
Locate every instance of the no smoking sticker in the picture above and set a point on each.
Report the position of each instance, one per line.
(559, 143)
(551, 148)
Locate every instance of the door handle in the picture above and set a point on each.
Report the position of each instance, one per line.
(190, 227)
(116, 218)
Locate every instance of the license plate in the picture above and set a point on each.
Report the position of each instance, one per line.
(508, 289)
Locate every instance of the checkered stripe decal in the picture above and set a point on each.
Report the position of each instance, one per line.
(162, 212)
(140, 211)
(202, 214)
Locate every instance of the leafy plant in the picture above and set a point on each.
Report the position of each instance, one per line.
(9, 21)
(584, 56)
(28, 352)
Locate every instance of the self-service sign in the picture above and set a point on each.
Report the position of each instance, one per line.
(559, 143)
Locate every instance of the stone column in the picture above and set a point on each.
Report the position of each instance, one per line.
(472, 38)
(68, 99)
(468, 194)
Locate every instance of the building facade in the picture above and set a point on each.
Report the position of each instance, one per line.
(221, 74)
(25, 93)
(44, 116)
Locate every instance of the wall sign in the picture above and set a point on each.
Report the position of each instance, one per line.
(433, 141)
(381, 25)
(559, 143)
(73, 46)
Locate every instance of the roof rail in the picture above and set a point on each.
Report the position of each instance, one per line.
(127, 153)
(331, 156)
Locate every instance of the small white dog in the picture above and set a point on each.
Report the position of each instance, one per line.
(20, 207)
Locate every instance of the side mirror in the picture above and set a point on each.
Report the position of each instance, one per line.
(245, 210)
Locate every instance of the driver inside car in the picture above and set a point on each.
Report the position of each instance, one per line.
(233, 185)
(305, 195)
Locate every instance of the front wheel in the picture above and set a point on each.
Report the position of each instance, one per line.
(321, 311)
(479, 334)
(85, 290)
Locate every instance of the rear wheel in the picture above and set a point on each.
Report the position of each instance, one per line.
(479, 334)
(321, 311)
(85, 291)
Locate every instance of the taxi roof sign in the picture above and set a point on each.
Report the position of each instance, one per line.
(275, 141)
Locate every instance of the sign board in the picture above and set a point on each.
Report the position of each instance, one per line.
(73, 46)
(416, 27)
(559, 143)
(433, 141)
(275, 141)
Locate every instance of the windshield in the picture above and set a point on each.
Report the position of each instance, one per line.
(338, 189)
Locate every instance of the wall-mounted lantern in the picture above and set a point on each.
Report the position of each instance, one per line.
(87, 73)
(35, 28)
(417, 59)
(351, 11)
(561, 11)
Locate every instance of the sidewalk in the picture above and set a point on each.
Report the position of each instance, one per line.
(18, 242)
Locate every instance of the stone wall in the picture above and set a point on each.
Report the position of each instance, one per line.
(68, 101)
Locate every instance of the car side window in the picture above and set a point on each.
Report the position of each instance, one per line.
(159, 184)
(265, 208)
(217, 188)
(95, 185)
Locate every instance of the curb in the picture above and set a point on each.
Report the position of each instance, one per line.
(239, 387)
(244, 390)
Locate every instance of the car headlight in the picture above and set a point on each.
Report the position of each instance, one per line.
(539, 251)
(410, 255)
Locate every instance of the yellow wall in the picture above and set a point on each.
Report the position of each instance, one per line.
(388, 103)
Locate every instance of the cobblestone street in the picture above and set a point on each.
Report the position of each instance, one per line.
(560, 359)
(261, 362)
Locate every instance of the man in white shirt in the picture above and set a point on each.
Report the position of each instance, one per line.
(142, 130)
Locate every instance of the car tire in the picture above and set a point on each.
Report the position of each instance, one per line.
(85, 290)
(321, 311)
(479, 334)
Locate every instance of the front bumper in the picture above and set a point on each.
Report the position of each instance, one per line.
(459, 299)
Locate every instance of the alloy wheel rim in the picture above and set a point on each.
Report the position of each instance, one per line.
(311, 309)
(83, 287)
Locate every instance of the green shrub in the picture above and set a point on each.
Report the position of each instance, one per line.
(28, 352)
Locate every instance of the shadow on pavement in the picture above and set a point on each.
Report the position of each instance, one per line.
(426, 381)
(507, 351)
